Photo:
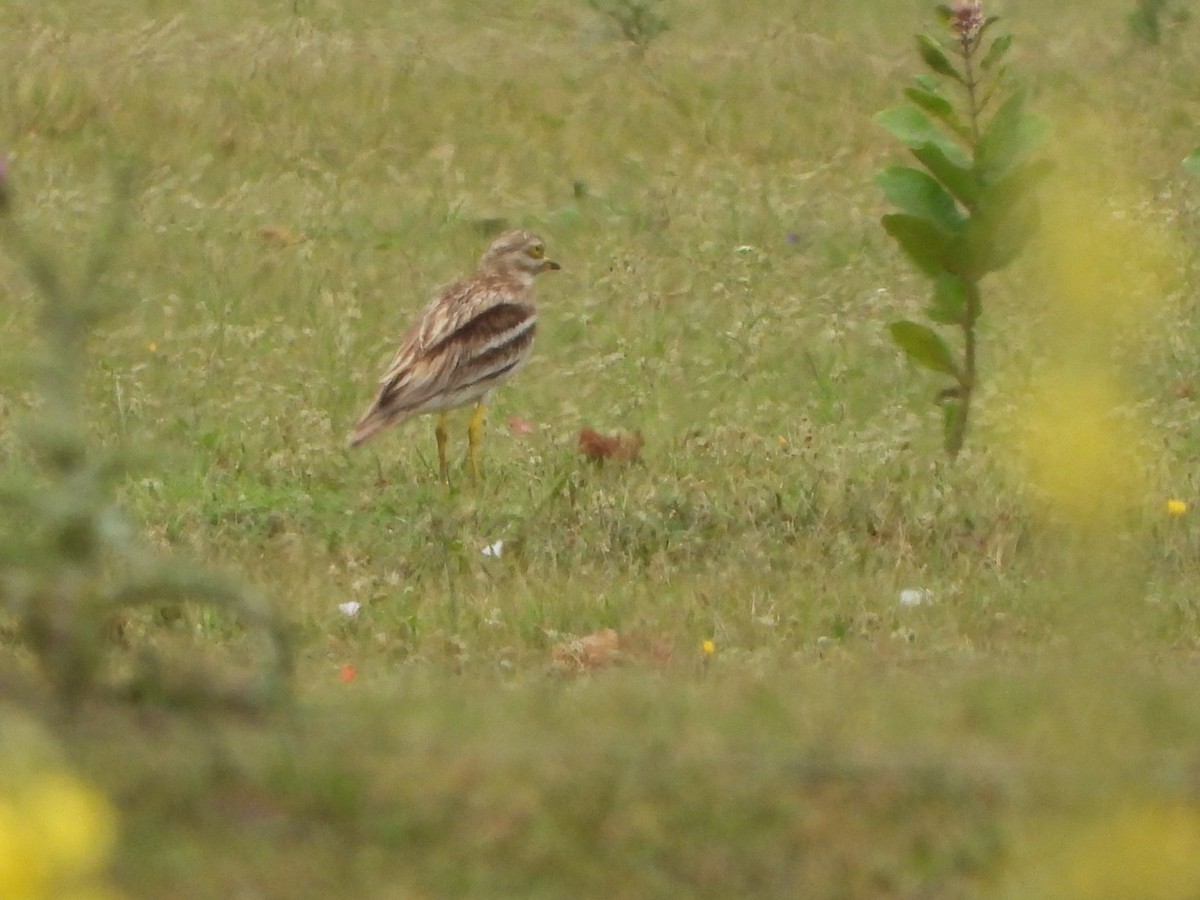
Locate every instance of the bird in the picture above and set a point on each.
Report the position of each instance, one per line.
(472, 338)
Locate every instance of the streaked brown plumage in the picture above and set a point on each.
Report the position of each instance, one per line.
(471, 339)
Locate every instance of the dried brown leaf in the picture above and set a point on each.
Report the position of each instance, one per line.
(592, 651)
(617, 447)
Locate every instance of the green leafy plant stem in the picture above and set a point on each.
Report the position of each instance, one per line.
(971, 83)
(956, 428)
(968, 210)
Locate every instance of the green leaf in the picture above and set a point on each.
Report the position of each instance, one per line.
(923, 346)
(958, 179)
(935, 57)
(919, 194)
(915, 130)
(939, 107)
(951, 437)
(1009, 236)
(924, 243)
(1014, 187)
(1011, 138)
(1192, 162)
(1001, 225)
(930, 100)
(949, 306)
(996, 52)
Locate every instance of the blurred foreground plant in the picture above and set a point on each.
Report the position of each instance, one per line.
(968, 211)
(70, 562)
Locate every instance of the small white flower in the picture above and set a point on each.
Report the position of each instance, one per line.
(494, 549)
(915, 596)
(350, 608)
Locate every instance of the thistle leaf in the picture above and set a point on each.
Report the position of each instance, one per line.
(996, 52)
(935, 57)
(915, 130)
(951, 437)
(919, 194)
(1000, 227)
(924, 243)
(1016, 185)
(923, 346)
(959, 180)
(949, 306)
(1011, 138)
(939, 107)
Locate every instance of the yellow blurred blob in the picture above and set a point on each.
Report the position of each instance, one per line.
(75, 825)
(1151, 853)
(57, 832)
(1176, 507)
(1099, 266)
(708, 648)
(20, 875)
(1080, 452)
(1102, 261)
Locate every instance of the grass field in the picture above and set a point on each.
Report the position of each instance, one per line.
(309, 173)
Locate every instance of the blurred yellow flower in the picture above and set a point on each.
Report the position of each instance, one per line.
(1082, 455)
(1096, 272)
(1176, 507)
(708, 648)
(75, 825)
(1152, 853)
(57, 832)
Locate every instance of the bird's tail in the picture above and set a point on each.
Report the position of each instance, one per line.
(373, 421)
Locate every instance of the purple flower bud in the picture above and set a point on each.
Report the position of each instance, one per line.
(792, 237)
(966, 19)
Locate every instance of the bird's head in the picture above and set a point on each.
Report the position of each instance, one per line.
(518, 252)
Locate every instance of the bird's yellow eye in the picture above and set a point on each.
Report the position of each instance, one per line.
(537, 251)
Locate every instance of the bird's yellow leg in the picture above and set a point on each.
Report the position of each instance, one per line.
(475, 437)
(442, 434)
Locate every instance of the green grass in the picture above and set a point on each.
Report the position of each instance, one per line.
(308, 175)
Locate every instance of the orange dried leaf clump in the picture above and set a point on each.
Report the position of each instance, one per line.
(592, 651)
(618, 447)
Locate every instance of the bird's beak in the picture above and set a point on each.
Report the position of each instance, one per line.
(550, 265)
